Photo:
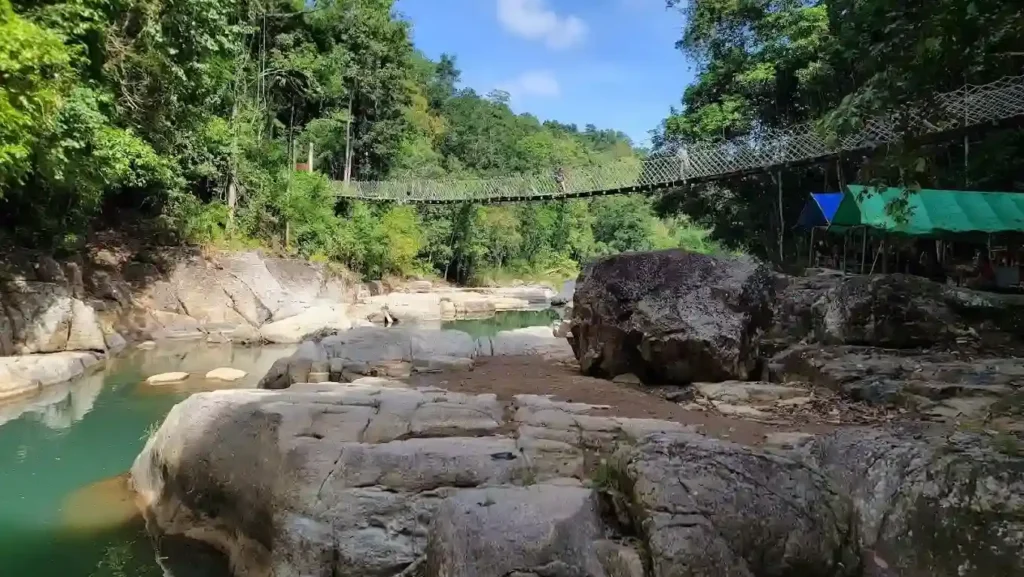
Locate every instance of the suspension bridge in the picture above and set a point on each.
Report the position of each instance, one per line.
(701, 162)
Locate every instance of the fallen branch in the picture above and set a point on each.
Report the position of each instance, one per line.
(413, 567)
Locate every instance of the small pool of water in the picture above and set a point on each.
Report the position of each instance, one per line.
(504, 321)
(65, 510)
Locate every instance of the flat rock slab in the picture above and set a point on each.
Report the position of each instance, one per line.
(167, 378)
(226, 374)
(493, 532)
(748, 392)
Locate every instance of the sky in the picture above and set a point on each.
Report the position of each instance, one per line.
(611, 63)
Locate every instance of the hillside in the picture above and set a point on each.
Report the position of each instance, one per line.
(194, 112)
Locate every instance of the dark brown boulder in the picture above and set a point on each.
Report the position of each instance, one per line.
(671, 316)
(903, 311)
(893, 311)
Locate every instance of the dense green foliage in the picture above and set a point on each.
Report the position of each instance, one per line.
(194, 111)
(773, 63)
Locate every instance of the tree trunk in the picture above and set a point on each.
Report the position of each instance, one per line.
(348, 143)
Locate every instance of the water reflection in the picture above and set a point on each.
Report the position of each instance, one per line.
(65, 508)
(58, 406)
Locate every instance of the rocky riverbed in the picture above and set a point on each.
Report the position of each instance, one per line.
(884, 408)
(61, 319)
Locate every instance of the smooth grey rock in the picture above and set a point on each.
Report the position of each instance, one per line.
(24, 375)
(535, 341)
(295, 328)
(375, 351)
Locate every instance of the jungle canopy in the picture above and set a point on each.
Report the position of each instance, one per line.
(931, 212)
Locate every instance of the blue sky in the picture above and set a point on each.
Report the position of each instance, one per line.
(606, 62)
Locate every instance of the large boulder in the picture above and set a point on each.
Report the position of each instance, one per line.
(357, 479)
(709, 508)
(927, 504)
(671, 316)
(295, 328)
(371, 351)
(44, 317)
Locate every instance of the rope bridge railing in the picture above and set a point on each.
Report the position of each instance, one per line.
(706, 161)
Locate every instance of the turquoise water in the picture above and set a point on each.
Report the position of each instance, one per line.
(64, 507)
(503, 321)
(65, 510)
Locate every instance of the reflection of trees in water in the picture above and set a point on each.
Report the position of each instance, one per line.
(62, 405)
(57, 406)
(133, 558)
(504, 321)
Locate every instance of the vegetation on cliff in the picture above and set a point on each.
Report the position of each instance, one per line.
(179, 109)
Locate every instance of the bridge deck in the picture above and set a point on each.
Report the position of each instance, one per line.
(701, 162)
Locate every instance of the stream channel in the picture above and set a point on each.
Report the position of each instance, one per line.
(65, 507)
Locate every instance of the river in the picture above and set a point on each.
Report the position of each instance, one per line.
(65, 510)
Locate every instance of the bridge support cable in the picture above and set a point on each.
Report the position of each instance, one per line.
(763, 150)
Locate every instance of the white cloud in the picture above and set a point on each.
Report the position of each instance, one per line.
(535, 83)
(533, 20)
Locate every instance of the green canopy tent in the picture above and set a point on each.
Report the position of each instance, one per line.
(929, 213)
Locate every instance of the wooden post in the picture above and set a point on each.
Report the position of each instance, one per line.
(846, 240)
(810, 253)
(863, 250)
(782, 219)
(311, 157)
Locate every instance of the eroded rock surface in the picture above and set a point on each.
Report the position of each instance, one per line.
(943, 506)
(708, 508)
(671, 316)
(91, 307)
(399, 351)
(372, 477)
(937, 384)
(349, 479)
(493, 532)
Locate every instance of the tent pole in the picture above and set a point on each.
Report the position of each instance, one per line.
(863, 249)
(810, 253)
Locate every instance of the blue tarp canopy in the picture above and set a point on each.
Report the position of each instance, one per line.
(820, 209)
